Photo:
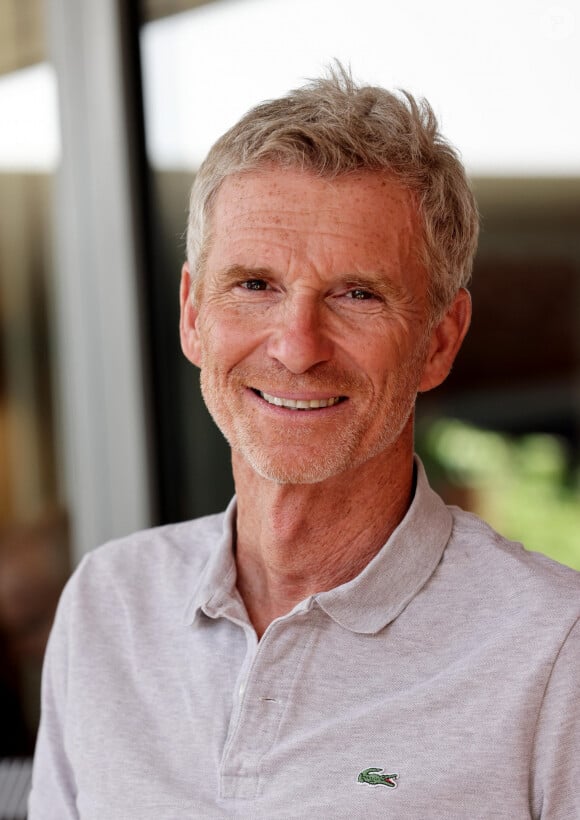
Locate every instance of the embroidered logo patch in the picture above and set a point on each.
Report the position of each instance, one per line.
(374, 777)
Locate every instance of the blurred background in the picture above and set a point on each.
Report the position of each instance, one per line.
(106, 110)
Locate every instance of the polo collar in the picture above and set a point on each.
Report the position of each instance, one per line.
(367, 603)
(216, 592)
(373, 599)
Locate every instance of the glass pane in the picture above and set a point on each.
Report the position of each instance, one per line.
(204, 68)
(520, 367)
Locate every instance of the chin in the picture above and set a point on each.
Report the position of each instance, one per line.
(305, 469)
(311, 467)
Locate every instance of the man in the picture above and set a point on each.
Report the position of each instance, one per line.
(339, 643)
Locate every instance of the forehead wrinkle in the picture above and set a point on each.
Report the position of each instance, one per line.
(296, 240)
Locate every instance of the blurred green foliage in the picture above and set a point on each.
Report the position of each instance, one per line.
(524, 486)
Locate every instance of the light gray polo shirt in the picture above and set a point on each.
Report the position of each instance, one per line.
(442, 682)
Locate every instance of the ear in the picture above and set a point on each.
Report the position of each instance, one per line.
(446, 340)
(188, 332)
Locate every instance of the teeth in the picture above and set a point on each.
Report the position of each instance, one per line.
(299, 404)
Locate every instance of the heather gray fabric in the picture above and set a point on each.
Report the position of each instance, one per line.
(452, 661)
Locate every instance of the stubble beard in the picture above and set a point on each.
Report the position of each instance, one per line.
(284, 458)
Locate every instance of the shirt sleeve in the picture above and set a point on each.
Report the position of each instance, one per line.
(53, 794)
(556, 763)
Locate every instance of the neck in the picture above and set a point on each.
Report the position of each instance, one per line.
(296, 540)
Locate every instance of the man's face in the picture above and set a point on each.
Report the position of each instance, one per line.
(311, 329)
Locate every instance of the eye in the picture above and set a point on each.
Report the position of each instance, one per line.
(254, 284)
(359, 298)
(360, 294)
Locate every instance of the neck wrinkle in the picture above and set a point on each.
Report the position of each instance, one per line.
(293, 541)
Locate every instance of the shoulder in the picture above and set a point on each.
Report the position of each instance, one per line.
(188, 543)
(503, 571)
(153, 564)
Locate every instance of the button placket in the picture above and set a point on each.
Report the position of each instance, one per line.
(262, 698)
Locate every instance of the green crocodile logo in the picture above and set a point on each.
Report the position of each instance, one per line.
(374, 777)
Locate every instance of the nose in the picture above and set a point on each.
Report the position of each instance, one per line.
(299, 339)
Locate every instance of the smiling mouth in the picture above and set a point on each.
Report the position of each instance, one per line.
(300, 404)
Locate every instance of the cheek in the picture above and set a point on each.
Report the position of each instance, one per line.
(226, 340)
(385, 354)
(399, 357)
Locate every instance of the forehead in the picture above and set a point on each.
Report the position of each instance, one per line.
(360, 208)
(316, 231)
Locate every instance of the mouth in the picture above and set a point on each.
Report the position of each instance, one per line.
(300, 404)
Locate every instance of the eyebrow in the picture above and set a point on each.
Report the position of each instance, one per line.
(379, 283)
(233, 273)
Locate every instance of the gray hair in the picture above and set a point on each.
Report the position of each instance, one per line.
(333, 127)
